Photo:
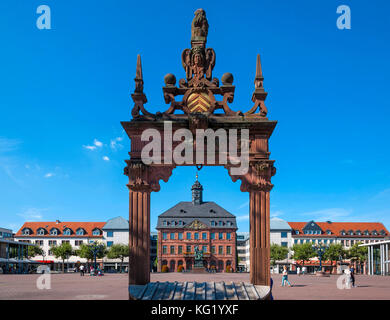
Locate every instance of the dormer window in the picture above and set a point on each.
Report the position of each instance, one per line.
(220, 223)
(358, 232)
(350, 232)
(366, 232)
(80, 232)
(213, 223)
(383, 232)
(165, 223)
(342, 232)
(96, 232)
(41, 232)
(329, 232)
(67, 232)
(54, 232)
(26, 232)
(374, 233)
(296, 231)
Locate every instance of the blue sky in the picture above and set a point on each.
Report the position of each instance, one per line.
(65, 90)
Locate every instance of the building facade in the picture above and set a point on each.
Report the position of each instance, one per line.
(13, 257)
(48, 234)
(6, 234)
(197, 224)
(280, 234)
(243, 263)
(115, 231)
(378, 257)
(345, 233)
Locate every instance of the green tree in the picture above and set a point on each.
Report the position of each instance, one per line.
(356, 253)
(335, 252)
(278, 253)
(64, 251)
(86, 251)
(118, 251)
(33, 251)
(303, 251)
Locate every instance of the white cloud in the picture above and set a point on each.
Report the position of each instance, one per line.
(105, 158)
(7, 145)
(49, 175)
(332, 214)
(242, 218)
(97, 143)
(32, 214)
(90, 147)
(276, 213)
(245, 204)
(114, 143)
(385, 194)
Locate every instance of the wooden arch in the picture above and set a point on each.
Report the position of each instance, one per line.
(199, 91)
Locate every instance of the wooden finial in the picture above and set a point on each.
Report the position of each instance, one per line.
(139, 81)
(259, 74)
(138, 73)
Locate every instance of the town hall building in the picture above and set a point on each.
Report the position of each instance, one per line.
(197, 224)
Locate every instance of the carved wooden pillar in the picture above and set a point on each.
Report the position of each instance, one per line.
(259, 214)
(139, 236)
(143, 179)
(257, 181)
(139, 222)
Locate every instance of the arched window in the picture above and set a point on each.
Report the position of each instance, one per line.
(41, 232)
(80, 231)
(54, 232)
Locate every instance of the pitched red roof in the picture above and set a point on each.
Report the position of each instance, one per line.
(61, 226)
(337, 227)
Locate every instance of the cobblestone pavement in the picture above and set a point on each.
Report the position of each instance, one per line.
(114, 286)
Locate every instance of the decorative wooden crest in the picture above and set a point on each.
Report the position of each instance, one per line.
(196, 224)
(199, 89)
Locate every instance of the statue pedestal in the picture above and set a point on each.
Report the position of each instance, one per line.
(198, 270)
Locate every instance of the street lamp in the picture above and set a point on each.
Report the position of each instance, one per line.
(96, 248)
(320, 249)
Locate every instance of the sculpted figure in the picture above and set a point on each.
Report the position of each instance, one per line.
(200, 26)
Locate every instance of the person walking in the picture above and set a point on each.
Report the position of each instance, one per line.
(285, 277)
(353, 276)
(298, 271)
(82, 270)
(304, 270)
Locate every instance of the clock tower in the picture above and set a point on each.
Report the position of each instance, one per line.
(197, 192)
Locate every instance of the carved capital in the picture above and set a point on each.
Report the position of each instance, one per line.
(145, 178)
(258, 177)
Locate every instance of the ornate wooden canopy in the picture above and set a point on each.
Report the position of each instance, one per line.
(199, 101)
